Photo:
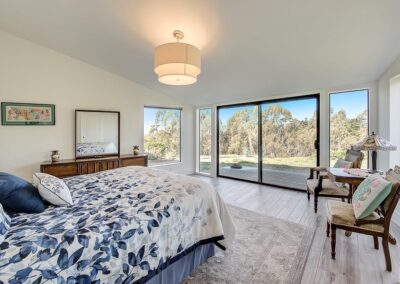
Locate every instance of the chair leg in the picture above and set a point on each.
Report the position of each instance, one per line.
(328, 229)
(315, 202)
(308, 195)
(376, 244)
(385, 244)
(333, 241)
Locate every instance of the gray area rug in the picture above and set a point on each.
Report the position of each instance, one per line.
(265, 250)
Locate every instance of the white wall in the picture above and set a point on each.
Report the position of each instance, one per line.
(324, 114)
(32, 73)
(386, 107)
(394, 120)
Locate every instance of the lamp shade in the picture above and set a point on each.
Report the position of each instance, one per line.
(374, 142)
(177, 63)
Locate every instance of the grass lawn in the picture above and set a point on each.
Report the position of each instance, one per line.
(291, 163)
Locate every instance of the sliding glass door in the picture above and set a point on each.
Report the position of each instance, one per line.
(238, 142)
(272, 142)
(289, 140)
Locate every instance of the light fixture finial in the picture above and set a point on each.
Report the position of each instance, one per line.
(178, 35)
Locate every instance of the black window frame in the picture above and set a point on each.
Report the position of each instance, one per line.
(258, 104)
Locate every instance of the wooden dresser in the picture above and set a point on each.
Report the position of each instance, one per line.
(67, 168)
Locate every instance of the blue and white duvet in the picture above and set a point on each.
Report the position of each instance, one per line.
(125, 226)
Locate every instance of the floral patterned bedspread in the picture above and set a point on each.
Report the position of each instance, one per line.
(85, 149)
(125, 226)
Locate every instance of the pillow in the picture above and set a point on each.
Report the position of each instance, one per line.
(52, 189)
(340, 163)
(5, 222)
(369, 195)
(19, 195)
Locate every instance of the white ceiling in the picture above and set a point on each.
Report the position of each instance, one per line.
(249, 48)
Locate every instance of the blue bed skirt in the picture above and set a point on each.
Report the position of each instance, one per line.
(176, 272)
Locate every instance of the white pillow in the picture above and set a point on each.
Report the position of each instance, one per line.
(52, 189)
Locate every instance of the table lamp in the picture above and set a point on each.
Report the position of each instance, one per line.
(374, 142)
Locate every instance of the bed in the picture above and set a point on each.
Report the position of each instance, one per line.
(128, 225)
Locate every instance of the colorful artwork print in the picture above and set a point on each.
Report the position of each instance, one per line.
(27, 114)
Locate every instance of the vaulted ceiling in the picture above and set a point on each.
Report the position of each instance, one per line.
(250, 49)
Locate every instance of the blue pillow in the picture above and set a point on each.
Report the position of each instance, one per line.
(19, 195)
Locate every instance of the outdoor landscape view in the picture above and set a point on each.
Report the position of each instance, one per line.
(162, 131)
(289, 130)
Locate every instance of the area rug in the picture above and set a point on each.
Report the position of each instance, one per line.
(265, 250)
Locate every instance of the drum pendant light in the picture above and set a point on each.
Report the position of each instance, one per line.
(177, 63)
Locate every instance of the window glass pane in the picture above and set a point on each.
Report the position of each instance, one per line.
(238, 142)
(162, 135)
(348, 122)
(205, 140)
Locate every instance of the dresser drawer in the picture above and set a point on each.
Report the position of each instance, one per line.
(63, 170)
(133, 162)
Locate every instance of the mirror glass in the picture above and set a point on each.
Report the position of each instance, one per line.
(97, 133)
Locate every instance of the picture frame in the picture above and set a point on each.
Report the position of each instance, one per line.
(27, 114)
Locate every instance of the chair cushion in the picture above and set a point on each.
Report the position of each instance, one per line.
(341, 213)
(340, 163)
(353, 156)
(370, 194)
(19, 195)
(328, 188)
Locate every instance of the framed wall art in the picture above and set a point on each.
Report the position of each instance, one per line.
(27, 114)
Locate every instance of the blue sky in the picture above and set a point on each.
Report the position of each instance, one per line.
(353, 102)
(149, 118)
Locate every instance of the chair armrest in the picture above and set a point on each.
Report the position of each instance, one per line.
(317, 170)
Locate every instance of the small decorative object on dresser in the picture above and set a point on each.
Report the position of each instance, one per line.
(135, 150)
(55, 156)
(27, 114)
(72, 167)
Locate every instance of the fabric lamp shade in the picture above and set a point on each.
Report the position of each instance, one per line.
(374, 142)
(177, 63)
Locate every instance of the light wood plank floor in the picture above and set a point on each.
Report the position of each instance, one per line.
(356, 259)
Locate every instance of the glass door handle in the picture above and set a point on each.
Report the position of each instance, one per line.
(316, 144)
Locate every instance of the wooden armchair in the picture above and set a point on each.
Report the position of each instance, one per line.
(341, 216)
(319, 184)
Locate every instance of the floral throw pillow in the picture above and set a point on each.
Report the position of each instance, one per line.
(52, 189)
(340, 163)
(369, 195)
(5, 222)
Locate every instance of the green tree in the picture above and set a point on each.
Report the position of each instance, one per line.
(163, 139)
